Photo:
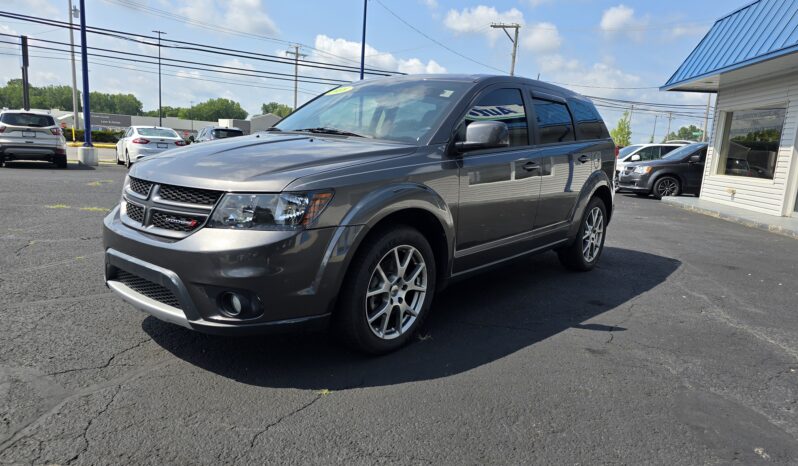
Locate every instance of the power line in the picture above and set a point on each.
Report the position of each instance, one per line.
(435, 41)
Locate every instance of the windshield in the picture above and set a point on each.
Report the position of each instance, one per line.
(227, 133)
(30, 120)
(682, 152)
(157, 132)
(628, 150)
(396, 111)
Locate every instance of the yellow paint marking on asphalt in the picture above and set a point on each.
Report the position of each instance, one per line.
(324, 392)
(94, 209)
(58, 206)
(99, 183)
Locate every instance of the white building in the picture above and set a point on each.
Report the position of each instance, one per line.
(750, 59)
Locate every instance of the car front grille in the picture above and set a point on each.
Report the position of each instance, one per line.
(175, 222)
(135, 212)
(188, 195)
(140, 186)
(147, 288)
(167, 210)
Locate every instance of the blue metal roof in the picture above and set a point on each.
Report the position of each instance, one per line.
(757, 32)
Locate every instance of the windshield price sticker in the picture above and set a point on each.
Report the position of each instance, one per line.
(340, 90)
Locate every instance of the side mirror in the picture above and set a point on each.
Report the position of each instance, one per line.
(635, 158)
(484, 135)
(695, 159)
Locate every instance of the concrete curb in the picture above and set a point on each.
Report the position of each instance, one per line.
(729, 217)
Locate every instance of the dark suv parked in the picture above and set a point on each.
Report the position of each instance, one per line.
(678, 172)
(362, 204)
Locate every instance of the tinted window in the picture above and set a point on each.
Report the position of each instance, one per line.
(157, 132)
(667, 149)
(31, 120)
(506, 106)
(589, 124)
(554, 122)
(649, 153)
(227, 133)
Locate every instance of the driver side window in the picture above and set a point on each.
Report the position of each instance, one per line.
(649, 153)
(503, 105)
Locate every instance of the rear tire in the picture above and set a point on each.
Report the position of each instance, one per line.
(666, 186)
(60, 162)
(584, 253)
(118, 160)
(387, 292)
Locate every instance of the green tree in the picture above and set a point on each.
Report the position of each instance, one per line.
(622, 133)
(689, 133)
(61, 97)
(215, 109)
(275, 108)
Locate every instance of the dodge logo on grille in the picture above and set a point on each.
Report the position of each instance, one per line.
(185, 222)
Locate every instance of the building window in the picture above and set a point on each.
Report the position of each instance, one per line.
(750, 143)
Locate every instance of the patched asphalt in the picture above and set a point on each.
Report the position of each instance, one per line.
(680, 348)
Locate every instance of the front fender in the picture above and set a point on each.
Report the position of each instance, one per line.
(367, 213)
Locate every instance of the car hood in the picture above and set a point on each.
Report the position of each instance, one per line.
(265, 162)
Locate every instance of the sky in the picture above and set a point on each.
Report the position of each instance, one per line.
(622, 50)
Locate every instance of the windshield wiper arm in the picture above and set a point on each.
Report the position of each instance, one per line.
(323, 130)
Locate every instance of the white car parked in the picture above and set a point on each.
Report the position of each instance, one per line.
(642, 153)
(31, 135)
(141, 141)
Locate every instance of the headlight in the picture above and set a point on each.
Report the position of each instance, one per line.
(286, 211)
(643, 170)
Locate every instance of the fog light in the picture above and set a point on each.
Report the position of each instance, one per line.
(234, 304)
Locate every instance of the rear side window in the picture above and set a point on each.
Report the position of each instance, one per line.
(665, 149)
(27, 119)
(506, 106)
(554, 122)
(589, 124)
(227, 133)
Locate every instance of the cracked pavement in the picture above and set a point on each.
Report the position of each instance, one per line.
(680, 348)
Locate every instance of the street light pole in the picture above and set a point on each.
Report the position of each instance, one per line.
(160, 108)
(84, 67)
(362, 42)
(75, 122)
(514, 39)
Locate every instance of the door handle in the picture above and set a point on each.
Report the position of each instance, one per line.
(529, 166)
(583, 158)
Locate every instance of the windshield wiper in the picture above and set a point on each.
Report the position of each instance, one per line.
(273, 128)
(323, 130)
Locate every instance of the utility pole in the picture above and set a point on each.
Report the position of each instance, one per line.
(668, 133)
(23, 40)
(297, 56)
(654, 131)
(362, 46)
(84, 62)
(73, 13)
(706, 120)
(160, 111)
(504, 27)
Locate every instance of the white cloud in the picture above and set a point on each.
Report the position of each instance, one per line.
(346, 52)
(7, 30)
(617, 17)
(241, 15)
(39, 8)
(541, 38)
(478, 20)
(537, 3)
(687, 30)
(431, 4)
(605, 78)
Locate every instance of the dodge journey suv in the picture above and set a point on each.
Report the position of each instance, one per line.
(355, 209)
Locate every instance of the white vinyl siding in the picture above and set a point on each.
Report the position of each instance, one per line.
(774, 196)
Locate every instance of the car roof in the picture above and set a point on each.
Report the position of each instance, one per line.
(474, 78)
(31, 112)
(153, 127)
(222, 127)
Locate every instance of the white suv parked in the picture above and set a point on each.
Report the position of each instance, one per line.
(31, 135)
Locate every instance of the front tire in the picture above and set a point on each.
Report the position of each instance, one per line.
(127, 160)
(584, 253)
(666, 186)
(118, 160)
(387, 292)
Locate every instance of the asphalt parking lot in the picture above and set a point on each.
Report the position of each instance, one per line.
(680, 348)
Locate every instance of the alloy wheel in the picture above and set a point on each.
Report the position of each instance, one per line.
(593, 234)
(667, 187)
(396, 292)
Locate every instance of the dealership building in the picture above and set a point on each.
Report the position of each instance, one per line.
(750, 59)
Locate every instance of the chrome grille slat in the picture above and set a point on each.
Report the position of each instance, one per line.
(167, 210)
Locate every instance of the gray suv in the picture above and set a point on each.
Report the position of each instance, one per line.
(355, 209)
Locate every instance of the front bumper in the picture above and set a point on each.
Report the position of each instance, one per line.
(290, 278)
(634, 182)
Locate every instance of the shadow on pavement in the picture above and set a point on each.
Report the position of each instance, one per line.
(474, 322)
(45, 166)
